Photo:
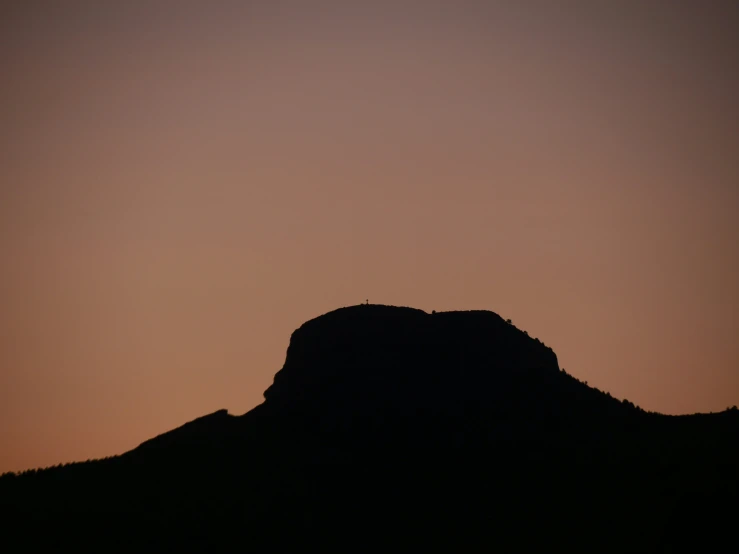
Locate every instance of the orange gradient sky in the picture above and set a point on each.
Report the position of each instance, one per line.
(182, 184)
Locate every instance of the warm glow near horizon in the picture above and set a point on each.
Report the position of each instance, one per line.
(182, 184)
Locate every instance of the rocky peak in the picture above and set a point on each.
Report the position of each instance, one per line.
(391, 357)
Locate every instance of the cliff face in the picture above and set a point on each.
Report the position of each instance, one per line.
(400, 372)
(371, 349)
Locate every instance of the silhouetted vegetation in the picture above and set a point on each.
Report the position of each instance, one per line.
(388, 426)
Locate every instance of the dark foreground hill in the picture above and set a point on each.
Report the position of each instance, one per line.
(393, 428)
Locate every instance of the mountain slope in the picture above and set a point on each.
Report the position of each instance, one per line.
(389, 424)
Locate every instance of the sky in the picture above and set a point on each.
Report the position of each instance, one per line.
(183, 184)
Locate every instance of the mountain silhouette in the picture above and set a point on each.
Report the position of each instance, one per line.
(391, 427)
